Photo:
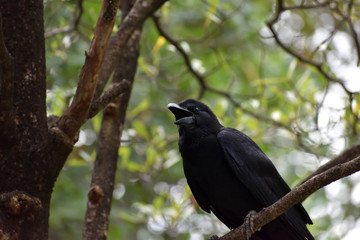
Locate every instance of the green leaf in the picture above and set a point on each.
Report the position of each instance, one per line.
(151, 157)
(140, 108)
(124, 153)
(141, 129)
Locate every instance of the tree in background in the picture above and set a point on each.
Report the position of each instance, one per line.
(290, 83)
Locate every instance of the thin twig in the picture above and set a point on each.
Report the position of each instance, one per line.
(279, 9)
(307, 6)
(113, 92)
(200, 78)
(321, 67)
(78, 13)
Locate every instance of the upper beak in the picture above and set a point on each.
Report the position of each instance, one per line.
(182, 115)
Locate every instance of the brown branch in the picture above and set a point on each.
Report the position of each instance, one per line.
(343, 157)
(56, 31)
(102, 183)
(7, 125)
(103, 178)
(297, 195)
(141, 10)
(307, 6)
(78, 13)
(113, 92)
(77, 113)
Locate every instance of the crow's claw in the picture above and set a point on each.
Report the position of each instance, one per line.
(249, 224)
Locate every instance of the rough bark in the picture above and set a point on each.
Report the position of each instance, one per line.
(7, 125)
(24, 192)
(32, 149)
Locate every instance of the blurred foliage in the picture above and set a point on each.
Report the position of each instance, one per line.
(298, 118)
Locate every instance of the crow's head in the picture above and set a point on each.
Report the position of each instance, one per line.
(192, 114)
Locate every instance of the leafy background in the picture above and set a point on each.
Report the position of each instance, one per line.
(298, 117)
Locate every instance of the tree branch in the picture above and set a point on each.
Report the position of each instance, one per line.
(78, 13)
(103, 178)
(79, 9)
(113, 92)
(322, 67)
(353, 33)
(7, 125)
(343, 157)
(297, 195)
(141, 10)
(77, 113)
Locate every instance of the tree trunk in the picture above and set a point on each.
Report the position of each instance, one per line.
(26, 182)
(33, 149)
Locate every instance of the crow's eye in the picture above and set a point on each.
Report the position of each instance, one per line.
(194, 109)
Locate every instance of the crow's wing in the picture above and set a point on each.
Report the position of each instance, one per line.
(256, 171)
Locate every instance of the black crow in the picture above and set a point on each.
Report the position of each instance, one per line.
(230, 175)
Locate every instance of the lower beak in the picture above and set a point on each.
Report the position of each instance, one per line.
(185, 121)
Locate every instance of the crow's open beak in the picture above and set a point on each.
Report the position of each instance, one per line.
(182, 115)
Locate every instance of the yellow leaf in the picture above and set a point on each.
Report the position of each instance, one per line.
(356, 108)
(160, 41)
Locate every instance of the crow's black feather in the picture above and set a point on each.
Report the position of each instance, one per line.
(230, 175)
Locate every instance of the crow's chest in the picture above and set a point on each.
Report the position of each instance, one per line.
(215, 184)
(204, 162)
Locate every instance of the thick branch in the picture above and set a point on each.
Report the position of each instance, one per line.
(141, 10)
(297, 195)
(7, 126)
(77, 113)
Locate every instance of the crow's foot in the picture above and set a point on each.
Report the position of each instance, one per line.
(249, 224)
